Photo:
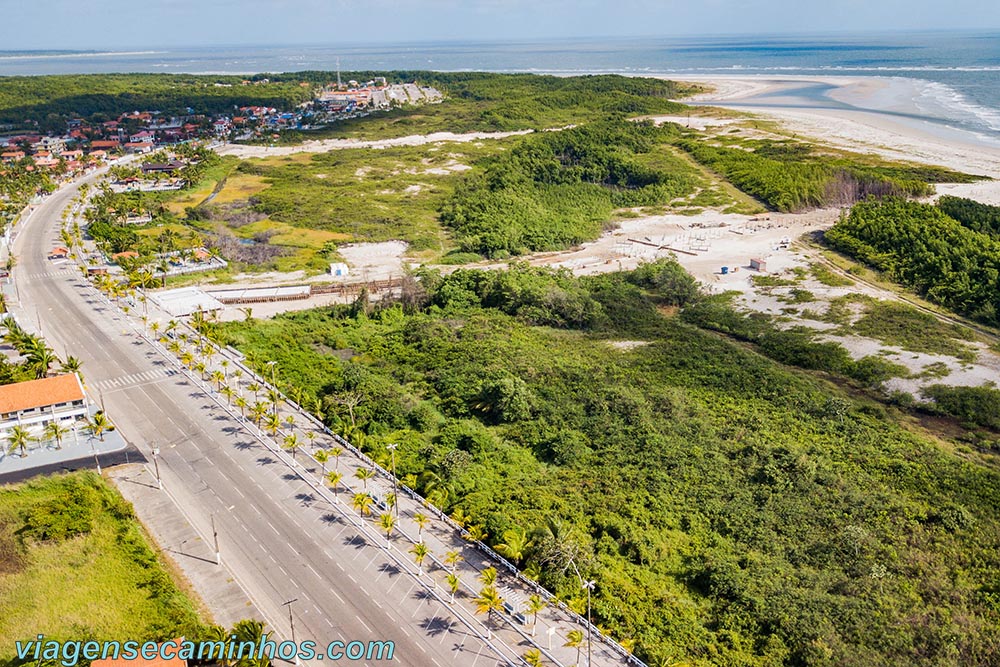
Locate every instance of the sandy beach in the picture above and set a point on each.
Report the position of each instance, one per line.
(868, 114)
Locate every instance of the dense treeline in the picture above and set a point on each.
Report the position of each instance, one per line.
(921, 247)
(788, 177)
(486, 101)
(559, 188)
(978, 217)
(51, 100)
(733, 512)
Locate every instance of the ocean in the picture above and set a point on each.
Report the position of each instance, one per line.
(950, 78)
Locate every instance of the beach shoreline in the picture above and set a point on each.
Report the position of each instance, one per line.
(845, 123)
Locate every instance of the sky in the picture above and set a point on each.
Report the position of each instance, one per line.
(118, 24)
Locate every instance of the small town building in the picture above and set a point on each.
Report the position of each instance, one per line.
(758, 264)
(339, 269)
(38, 402)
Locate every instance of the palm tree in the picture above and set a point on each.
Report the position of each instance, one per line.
(56, 431)
(387, 522)
(71, 365)
(488, 602)
(574, 639)
(255, 388)
(477, 533)
(291, 443)
(218, 378)
(322, 456)
(241, 403)
(311, 436)
(536, 603)
(252, 630)
(257, 412)
(420, 552)
(334, 478)
(488, 577)
(40, 357)
(290, 422)
(515, 543)
(274, 396)
(337, 452)
(453, 558)
(272, 424)
(363, 503)
(421, 520)
(200, 367)
(18, 438)
(533, 657)
(364, 474)
(228, 392)
(99, 423)
(454, 583)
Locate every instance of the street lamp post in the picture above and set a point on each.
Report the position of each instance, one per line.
(156, 467)
(215, 538)
(395, 493)
(291, 624)
(274, 385)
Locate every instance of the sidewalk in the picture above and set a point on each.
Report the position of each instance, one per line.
(181, 544)
(517, 633)
(442, 535)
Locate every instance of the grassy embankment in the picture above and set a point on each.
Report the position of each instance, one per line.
(75, 564)
(733, 510)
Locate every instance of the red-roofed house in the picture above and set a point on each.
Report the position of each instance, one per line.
(38, 402)
(59, 252)
(164, 656)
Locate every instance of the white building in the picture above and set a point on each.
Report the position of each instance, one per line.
(35, 403)
(339, 269)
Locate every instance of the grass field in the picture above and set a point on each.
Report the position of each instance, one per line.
(75, 564)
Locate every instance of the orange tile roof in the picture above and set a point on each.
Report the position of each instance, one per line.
(40, 393)
(157, 661)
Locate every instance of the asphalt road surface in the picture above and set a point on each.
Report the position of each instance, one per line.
(277, 538)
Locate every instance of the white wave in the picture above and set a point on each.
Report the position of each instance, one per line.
(101, 54)
(934, 96)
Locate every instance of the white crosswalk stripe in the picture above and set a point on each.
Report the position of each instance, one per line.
(134, 378)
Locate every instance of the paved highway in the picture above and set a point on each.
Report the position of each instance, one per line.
(278, 538)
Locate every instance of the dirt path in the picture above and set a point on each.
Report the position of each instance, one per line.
(323, 145)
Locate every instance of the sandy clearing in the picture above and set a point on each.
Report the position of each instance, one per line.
(325, 145)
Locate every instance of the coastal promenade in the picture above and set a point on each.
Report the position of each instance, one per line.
(294, 546)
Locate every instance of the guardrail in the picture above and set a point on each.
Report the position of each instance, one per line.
(238, 359)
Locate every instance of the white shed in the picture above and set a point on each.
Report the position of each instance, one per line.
(339, 269)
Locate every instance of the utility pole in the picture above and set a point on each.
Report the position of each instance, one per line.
(338, 73)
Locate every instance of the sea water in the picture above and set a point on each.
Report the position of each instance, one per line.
(952, 78)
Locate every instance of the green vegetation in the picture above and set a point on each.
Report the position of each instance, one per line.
(52, 100)
(827, 277)
(733, 511)
(19, 182)
(981, 218)
(360, 194)
(480, 101)
(975, 406)
(792, 176)
(75, 564)
(921, 247)
(558, 189)
(904, 326)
